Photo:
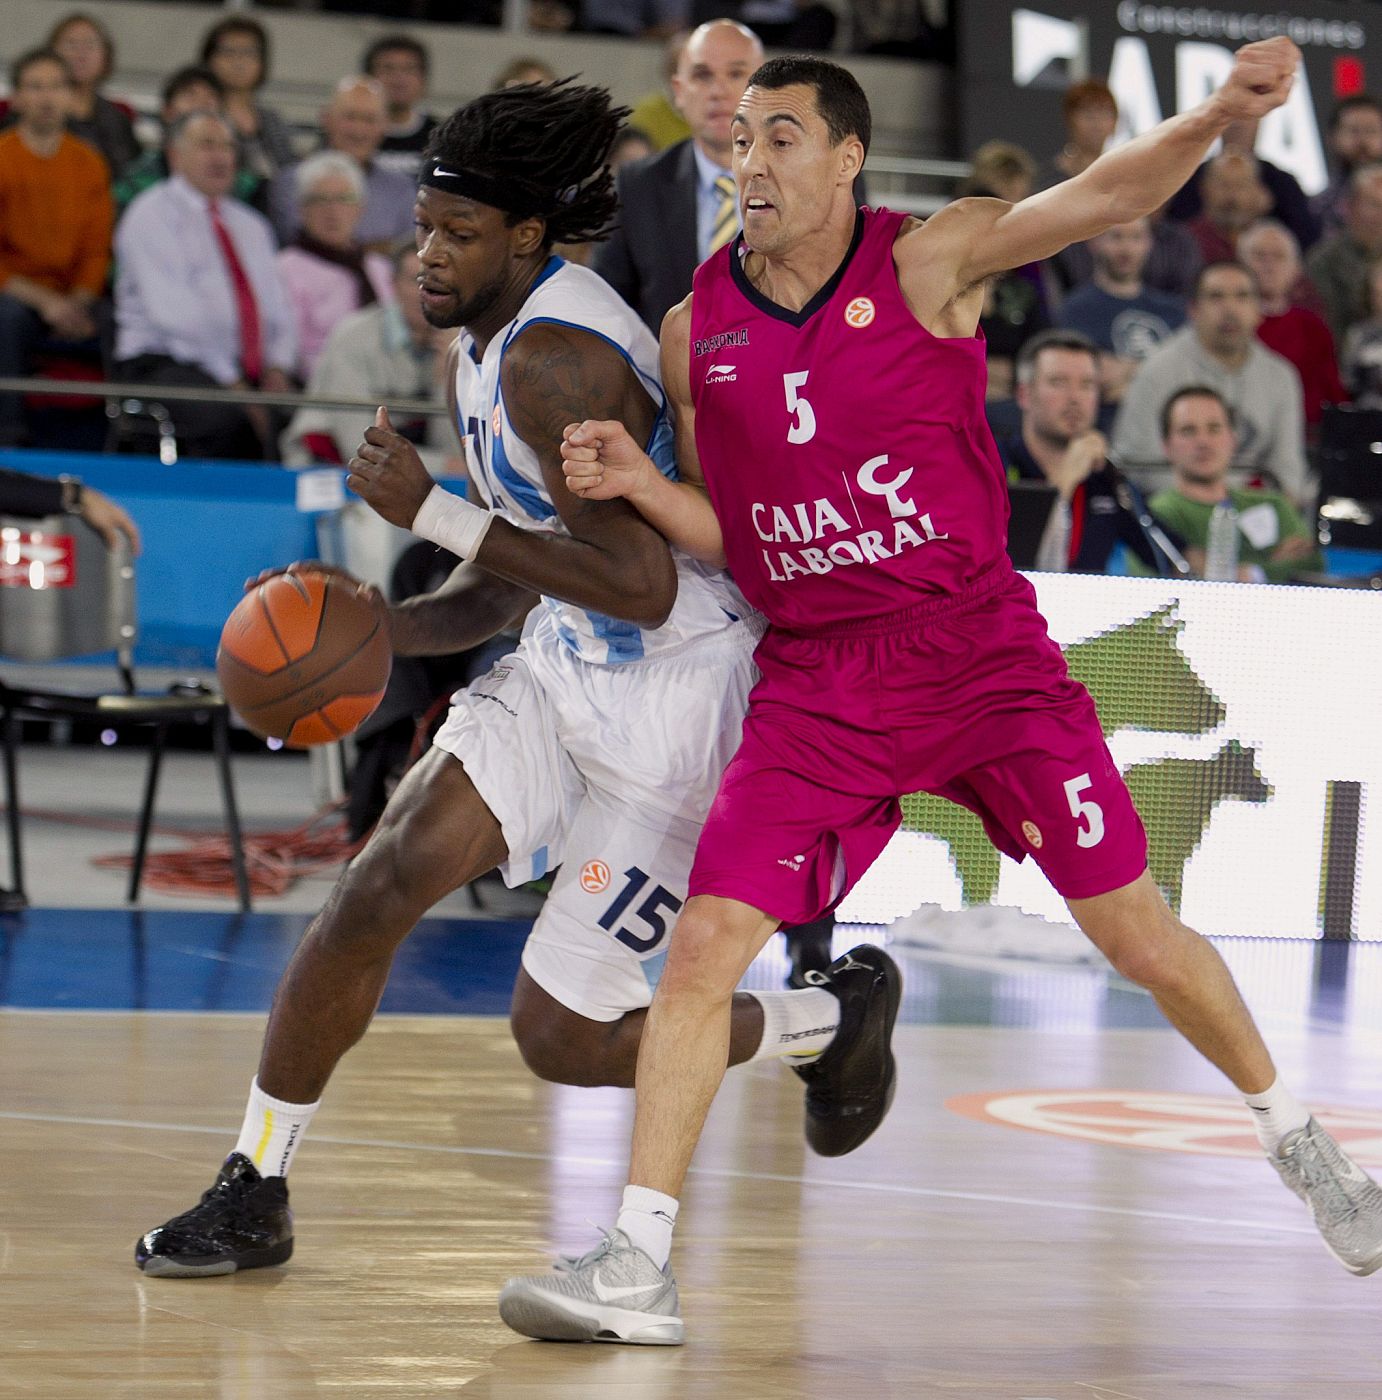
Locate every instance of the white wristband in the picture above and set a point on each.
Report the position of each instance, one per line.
(454, 524)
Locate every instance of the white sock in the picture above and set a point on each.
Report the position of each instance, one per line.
(799, 1024)
(273, 1130)
(1276, 1115)
(646, 1217)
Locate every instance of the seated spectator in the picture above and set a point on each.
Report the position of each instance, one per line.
(85, 46)
(384, 353)
(401, 65)
(521, 71)
(1124, 317)
(1270, 252)
(1285, 200)
(193, 89)
(1220, 348)
(1233, 197)
(1274, 543)
(1355, 140)
(353, 123)
(1090, 112)
(1097, 510)
(1362, 356)
(1339, 265)
(237, 52)
(1171, 266)
(198, 300)
(1015, 304)
(56, 215)
(22, 493)
(325, 273)
(630, 145)
(656, 113)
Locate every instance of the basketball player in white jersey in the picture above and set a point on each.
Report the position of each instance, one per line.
(595, 748)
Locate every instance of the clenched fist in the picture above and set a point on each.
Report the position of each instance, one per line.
(1261, 78)
(602, 461)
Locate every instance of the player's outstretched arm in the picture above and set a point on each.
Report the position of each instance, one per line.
(603, 461)
(978, 238)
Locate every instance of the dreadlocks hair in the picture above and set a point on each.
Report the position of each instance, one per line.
(549, 142)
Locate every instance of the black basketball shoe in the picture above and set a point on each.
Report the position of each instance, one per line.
(849, 1089)
(808, 946)
(242, 1222)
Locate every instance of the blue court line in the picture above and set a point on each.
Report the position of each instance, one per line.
(171, 960)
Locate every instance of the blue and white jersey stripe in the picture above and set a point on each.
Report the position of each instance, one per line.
(506, 470)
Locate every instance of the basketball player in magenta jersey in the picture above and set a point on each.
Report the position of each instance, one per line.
(829, 388)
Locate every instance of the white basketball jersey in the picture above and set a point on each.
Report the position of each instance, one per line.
(507, 470)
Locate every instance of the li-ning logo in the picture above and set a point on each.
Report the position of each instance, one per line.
(793, 862)
(712, 343)
(720, 374)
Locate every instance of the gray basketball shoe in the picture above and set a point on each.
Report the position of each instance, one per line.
(1345, 1201)
(613, 1294)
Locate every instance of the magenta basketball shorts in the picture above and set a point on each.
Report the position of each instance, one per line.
(966, 697)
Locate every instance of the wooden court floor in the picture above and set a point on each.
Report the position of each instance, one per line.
(949, 1257)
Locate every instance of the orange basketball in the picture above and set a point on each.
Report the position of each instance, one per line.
(304, 658)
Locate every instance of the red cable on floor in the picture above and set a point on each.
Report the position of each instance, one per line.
(274, 860)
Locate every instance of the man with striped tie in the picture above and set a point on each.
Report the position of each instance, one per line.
(680, 206)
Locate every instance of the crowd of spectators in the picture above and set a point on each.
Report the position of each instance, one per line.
(232, 253)
(225, 253)
(1222, 329)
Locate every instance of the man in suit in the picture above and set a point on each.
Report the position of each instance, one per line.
(681, 205)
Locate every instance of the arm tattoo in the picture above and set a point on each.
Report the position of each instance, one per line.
(552, 378)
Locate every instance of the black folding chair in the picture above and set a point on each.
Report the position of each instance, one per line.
(64, 595)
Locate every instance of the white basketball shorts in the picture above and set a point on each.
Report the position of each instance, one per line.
(607, 772)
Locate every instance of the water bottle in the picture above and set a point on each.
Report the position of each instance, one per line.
(1221, 548)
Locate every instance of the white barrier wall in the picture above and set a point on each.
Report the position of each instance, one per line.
(1246, 721)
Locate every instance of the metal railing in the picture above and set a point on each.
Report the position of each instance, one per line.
(176, 393)
(129, 401)
(897, 178)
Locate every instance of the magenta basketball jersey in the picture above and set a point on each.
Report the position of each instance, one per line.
(844, 447)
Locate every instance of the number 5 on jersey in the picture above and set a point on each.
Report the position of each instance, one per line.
(803, 427)
(1089, 813)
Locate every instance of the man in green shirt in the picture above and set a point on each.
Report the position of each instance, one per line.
(1274, 542)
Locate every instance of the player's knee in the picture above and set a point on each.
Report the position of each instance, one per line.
(570, 1051)
(376, 901)
(703, 956)
(541, 1051)
(1152, 954)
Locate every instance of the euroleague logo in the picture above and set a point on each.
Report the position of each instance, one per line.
(594, 877)
(1165, 1122)
(860, 313)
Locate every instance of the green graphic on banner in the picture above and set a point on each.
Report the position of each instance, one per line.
(1139, 679)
